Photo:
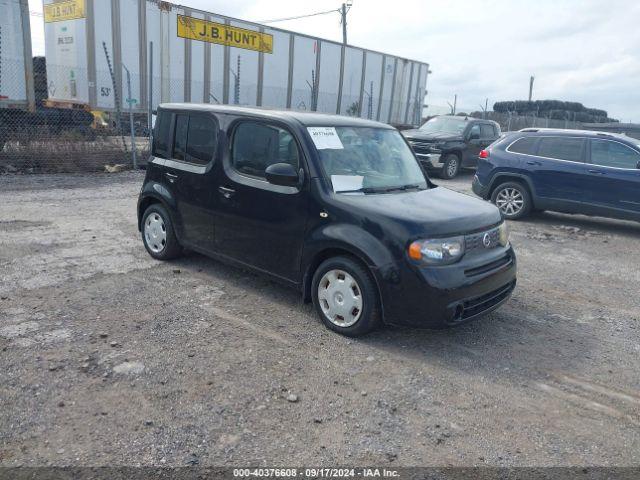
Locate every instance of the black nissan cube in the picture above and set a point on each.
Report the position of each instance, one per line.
(336, 207)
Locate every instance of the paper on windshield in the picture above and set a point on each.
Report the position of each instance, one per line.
(342, 183)
(325, 138)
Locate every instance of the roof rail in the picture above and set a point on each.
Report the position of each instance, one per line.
(529, 130)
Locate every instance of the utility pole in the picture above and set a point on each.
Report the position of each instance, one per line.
(455, 103)
(485, 108)
(343, 12)
(531, 80)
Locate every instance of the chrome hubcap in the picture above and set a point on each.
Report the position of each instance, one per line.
(155, 232)
(340, 298)
(509, 201)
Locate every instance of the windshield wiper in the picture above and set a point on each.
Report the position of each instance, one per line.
(364, 190)
(381, 189)
(402, 187)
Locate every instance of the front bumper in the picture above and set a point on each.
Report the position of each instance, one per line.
(436, 297)
(481, 190)
(430, 160)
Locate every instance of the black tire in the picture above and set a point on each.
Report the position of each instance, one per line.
(168, 249)
(521, 205)
(369, 316)
(450, 167)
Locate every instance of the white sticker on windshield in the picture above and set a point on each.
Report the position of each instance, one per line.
(325, 138)
(342, 183)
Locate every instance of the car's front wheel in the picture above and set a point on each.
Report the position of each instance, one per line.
(450, 166)
(158, 234)
(346, 297)
(512, 199)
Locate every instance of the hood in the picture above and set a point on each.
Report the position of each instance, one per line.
(427, 213)
(418, 134)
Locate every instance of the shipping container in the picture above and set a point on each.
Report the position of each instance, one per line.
(205, 57)
(16, 65)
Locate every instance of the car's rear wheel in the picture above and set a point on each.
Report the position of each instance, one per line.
(512, 199)
(158, 234)
(346, 297)
(450, 166)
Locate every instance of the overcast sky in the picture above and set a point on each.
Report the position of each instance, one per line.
(579, 50)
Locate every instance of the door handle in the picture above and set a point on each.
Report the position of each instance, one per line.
(227, 192)
(171, 177)
(532, 162)
(597, 172)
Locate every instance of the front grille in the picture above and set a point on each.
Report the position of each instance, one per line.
(423, 147)
(476, 241)
(489, 267)
(481, 304)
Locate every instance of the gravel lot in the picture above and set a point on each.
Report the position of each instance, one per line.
(111, 358)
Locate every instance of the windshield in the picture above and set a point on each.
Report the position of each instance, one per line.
(367, 160)
(445, 125)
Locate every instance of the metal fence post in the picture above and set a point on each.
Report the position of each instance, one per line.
(130, 101)
(150, 102)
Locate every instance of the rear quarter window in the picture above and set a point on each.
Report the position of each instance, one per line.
(161, 140)
(487, 131)
(525, 145)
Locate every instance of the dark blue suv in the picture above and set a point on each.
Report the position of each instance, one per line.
(566, 171)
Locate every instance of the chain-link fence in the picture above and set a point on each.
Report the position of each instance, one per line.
(510, 122)
(57, 137)
(66, 136)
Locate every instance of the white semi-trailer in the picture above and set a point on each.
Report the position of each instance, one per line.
(205, 57)
(16, 65)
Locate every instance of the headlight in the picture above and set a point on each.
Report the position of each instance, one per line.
(503, 234)
(441, 251)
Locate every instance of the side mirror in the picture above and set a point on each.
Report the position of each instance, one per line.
(283, 174)
(474, 136)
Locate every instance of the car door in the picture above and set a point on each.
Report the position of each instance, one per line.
(559, 173)
(258, 223)
(188, 173)
(488, 135)
(474, 145)
(614, 175)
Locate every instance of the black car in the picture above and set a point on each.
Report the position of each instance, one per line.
(569, 171)
(445, 144)
(335, 206)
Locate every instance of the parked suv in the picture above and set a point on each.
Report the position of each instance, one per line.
(447, 143)
(337, 207)
(567, 171)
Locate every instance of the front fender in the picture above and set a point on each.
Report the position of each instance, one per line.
(456, 148)
(351, 238)
(335, 239)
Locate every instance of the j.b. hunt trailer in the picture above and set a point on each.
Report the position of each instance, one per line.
(204, 57)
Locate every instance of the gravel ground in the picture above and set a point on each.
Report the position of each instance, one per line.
(111, 358)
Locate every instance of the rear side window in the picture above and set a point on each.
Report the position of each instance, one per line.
(161, 140)
(524, 145)
(180, 137)
(256, 146)
(195, 139)
(613, 154)
(487, 131)
(201, 139)
(475, 131)
(561, 148)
